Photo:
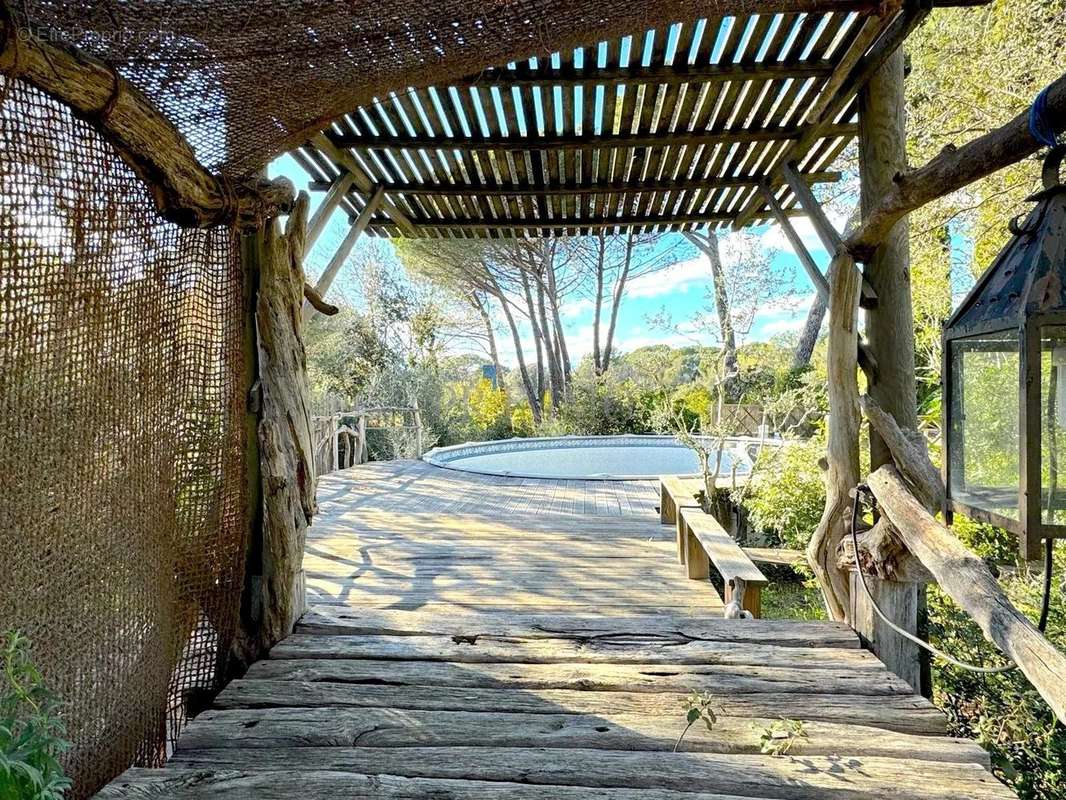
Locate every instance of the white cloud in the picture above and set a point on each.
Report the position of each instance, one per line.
(673, 279)
(576, 307)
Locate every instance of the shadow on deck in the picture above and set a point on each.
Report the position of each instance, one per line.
(476, 637)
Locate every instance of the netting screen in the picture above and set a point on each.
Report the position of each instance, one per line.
(121, 488)
(245, 80)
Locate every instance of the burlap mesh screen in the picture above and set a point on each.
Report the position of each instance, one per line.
(121, 492)
(245, 80)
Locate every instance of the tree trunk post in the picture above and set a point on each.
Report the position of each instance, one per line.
(245, 647)
(286, 451)
(890, 342)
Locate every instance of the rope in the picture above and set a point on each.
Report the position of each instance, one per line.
(1040, 125)
(1048, 553)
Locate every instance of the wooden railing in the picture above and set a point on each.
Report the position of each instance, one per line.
(340, 439)
(909, 547)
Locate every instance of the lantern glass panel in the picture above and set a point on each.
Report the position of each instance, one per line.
(1053, 424)
(983, 437)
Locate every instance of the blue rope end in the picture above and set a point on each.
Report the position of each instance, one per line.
(1040, 126)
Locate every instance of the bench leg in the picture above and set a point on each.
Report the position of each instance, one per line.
(680, 535)
(751, 599)
(697, 565)
(667, 512)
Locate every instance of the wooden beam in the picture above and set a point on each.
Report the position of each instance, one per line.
(466, 223)
(570, 75)
(582, 142)
(346, 161)
(794, 239)
(966, 579)
(615, 187)
(182, 189)
(346, 245)
(333, 198)
(285, 439)
(871, 27)
(827, 234)
(889, 41)
(953, 168)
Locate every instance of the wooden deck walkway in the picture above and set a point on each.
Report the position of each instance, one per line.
(475, 638)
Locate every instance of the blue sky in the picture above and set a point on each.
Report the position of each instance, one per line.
(680, 289)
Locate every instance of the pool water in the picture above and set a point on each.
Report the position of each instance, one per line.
(590, 457)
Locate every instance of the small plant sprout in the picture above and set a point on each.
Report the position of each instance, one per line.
(780, 735)
(698, 705)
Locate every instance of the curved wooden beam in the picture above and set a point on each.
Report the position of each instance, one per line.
(182, 189)
(967, 580)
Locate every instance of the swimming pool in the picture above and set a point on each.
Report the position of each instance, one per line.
(587, 457)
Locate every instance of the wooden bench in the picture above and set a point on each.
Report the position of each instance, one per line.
(676, 493)
(706, 543)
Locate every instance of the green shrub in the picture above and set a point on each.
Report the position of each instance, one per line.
(787, 492)
(488, 409)
(601, 405)
(31, 733)
(522, 420)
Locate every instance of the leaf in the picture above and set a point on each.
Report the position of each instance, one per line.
(693, 715)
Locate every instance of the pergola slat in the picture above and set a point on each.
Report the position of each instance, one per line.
(517, 189)
(575, 142)
(575, 223)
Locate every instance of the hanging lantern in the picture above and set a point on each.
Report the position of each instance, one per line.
(1004, 380)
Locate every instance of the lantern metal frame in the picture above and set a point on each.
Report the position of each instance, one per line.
(1029, 290)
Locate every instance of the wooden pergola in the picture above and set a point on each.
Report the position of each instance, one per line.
(726, 121)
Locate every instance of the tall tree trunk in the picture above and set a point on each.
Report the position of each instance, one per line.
(490, 335)
(532, 395)
(560, 333)
(890, 340)
(890, 326)
(538, 339)
(801, 356)
(598, 308)
(554, 370)
(616, 301)
(709, 245)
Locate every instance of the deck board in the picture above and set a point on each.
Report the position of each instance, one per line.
(473, 637)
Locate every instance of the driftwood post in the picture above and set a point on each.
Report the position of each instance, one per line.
(285, 500)
(890, 345)
(842, 467)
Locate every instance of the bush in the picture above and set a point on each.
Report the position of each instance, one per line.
(522, 420)
(488, 409)
(31, 733)
(787, 492)
(600, 405)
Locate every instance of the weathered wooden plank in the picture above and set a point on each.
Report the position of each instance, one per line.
(635, 650)
(793, 778)
(605, 730)
(599, 677)
(175, 783)
(674, 628)
(903, 713)
(335, 596)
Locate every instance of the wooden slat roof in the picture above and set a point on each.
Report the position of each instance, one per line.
(670, 129)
